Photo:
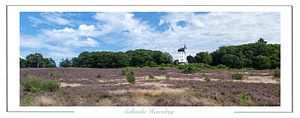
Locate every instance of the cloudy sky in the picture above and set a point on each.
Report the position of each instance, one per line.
(66, 34)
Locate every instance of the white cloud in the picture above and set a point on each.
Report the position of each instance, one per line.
(56, 18)
(202, 32)
(89, 42)
(207, 32)
(36, 21)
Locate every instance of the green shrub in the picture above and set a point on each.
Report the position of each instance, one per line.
(207, 79)
(130, 77)
(221, 66)
(237, 76)
(245, 99)
(125, 71)
(37, 85)
(50, 85)
(188, 68)
(151, 77)
(277, 73)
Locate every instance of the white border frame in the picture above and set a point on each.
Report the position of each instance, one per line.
(13, 48)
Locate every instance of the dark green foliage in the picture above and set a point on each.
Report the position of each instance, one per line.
(262, 62)
(36, 85)
(203, 57)
(130, 77)
(237, 76)
(142, 57)
(65, 63)
(221, 66)
(191, 59)
(188, 68)
(37, 61)
(245, 99)
(107, 59)
(258, 55)
(231, 61)
(23, 63)
(277, 73)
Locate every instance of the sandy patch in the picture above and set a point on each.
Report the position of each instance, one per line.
(258, 79)
(70, 85)
(156, 84)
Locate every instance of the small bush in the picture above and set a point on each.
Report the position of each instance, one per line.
(188, 68)
(245, 99)
(207, 79)
(237, 76)
(277, 73)
(130, 77)
(221, 66)
(151, 77)
(37, 85)
(50, 85)
(125, 71)
(99, 75)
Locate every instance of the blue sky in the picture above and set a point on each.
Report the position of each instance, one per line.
(65, 34)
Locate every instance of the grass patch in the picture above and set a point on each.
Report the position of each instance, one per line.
(237, 76)
(37, 85)
(27, 101)
(245, 99)
(130, 77)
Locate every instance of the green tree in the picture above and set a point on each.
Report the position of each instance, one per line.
(38, 61)
(48, 63)
(191, 59)
(23, 63)
(65, 63)
(231, 61)
(34, 60)
(203, 57)
(262, 62)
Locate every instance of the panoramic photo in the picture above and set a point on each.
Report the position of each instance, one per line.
(149, 58)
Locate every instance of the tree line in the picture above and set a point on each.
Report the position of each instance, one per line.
(107, 59)
(37, 61)
(258, 55)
